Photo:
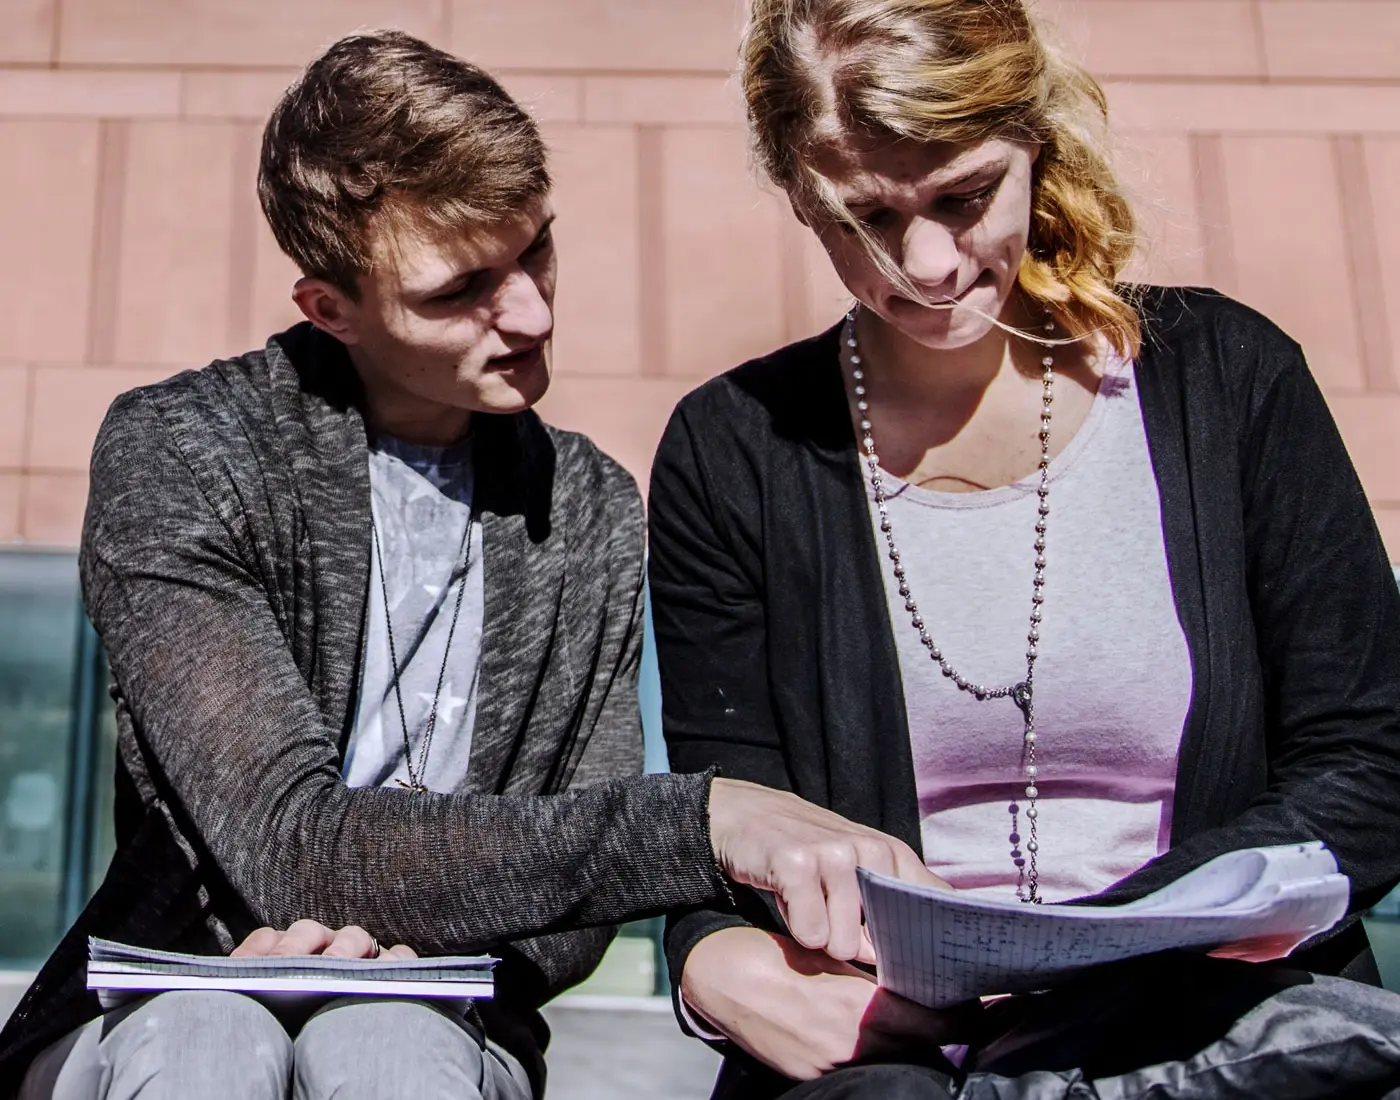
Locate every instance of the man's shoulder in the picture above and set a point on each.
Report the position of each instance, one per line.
(584, 472)
(227, 394)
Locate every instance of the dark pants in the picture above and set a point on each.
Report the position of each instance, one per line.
(1173, 1026)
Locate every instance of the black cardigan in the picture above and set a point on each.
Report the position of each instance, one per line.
(778, 661)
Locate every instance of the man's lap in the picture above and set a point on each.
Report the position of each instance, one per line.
(215, 1044)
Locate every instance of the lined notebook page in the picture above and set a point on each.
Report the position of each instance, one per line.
(941, 947)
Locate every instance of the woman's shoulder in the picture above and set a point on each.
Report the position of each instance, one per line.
(794, 387)
(1209, 330)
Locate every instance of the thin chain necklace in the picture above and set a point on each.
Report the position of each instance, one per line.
(417, 777)
(1021, 693)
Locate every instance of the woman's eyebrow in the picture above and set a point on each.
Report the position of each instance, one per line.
(866, 200)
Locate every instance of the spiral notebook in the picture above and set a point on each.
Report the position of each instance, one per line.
(942, 947)
(119, 972)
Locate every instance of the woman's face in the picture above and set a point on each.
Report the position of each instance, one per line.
(954, 218)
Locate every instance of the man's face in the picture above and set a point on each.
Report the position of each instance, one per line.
(455, 323)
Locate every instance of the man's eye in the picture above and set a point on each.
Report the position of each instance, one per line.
(470, 289)
(541, 243)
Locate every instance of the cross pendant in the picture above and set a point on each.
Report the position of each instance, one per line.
(415, 786)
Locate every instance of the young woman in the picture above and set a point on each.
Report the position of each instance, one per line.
(1070, 583)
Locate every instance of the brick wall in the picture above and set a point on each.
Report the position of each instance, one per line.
(1261, 136)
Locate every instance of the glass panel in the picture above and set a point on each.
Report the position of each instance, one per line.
(104, 784)
(38, 629)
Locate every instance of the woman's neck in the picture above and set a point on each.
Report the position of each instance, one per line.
(914, 373)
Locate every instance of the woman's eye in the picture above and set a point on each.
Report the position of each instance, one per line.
(971, 201)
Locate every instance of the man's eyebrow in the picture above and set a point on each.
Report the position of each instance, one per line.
(459, 280)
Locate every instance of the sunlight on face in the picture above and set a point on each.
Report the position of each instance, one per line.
(460, 321)
(955, 218)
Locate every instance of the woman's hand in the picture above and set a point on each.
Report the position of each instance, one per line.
(306, 937)
(803, 1012)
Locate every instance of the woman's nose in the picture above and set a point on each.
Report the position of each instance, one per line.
(931, 256)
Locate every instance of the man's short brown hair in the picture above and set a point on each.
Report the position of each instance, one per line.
(384, 129)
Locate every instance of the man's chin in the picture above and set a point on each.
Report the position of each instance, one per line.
(513, 391)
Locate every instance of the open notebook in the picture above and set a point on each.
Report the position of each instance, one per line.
(119, 972)
(942, 947)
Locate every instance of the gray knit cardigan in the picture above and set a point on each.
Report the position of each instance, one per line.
(225, 562)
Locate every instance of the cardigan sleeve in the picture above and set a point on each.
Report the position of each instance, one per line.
(240, 752)
(609, 742)
(708, 612)
(1326, 619)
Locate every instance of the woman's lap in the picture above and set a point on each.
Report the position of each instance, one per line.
(214, 1045)
(1179, 1027)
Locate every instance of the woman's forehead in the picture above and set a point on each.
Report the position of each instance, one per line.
(865, 172)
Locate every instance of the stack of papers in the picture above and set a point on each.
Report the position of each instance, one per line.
(942, 947)
(119, 972)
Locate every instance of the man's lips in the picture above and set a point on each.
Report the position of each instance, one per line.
(526, 357)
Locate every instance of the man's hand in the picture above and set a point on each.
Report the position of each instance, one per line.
(306, 937)
(804, 1013)
(807, 857)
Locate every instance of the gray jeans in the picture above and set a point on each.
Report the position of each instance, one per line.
(224, 1045)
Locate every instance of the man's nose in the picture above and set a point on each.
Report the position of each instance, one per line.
(522, 309)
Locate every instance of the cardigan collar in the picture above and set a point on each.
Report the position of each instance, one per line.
(316, 399)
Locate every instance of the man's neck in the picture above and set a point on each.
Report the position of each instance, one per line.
(392, 411)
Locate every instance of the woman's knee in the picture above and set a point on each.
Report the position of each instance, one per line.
(196, 1043)
(876, 1082)
(372, 1048)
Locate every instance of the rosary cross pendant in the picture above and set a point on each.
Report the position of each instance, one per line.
(414, 786)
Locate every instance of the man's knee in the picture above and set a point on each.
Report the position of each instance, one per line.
(387, 1047)
(196, 1043)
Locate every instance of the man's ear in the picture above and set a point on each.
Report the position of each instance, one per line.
(328, 307)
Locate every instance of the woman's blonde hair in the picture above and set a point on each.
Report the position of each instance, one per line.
(948, 71)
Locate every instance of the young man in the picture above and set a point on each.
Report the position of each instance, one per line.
(374, 630)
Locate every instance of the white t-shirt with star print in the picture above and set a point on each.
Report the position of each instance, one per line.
(422, 502)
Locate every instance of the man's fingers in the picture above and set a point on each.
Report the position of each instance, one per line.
(352, 942)
(401, 951)
(305, 937)
(258, 943)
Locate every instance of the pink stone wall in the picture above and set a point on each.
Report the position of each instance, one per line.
(1261, 136)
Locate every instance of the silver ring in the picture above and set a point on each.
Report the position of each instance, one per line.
(377, 949)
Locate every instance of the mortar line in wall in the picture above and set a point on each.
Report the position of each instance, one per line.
(654, 316)
(56, 35)
(1261, 51)
(1213, 209)
(243, 229)
(1364, 263)
(104, 288)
